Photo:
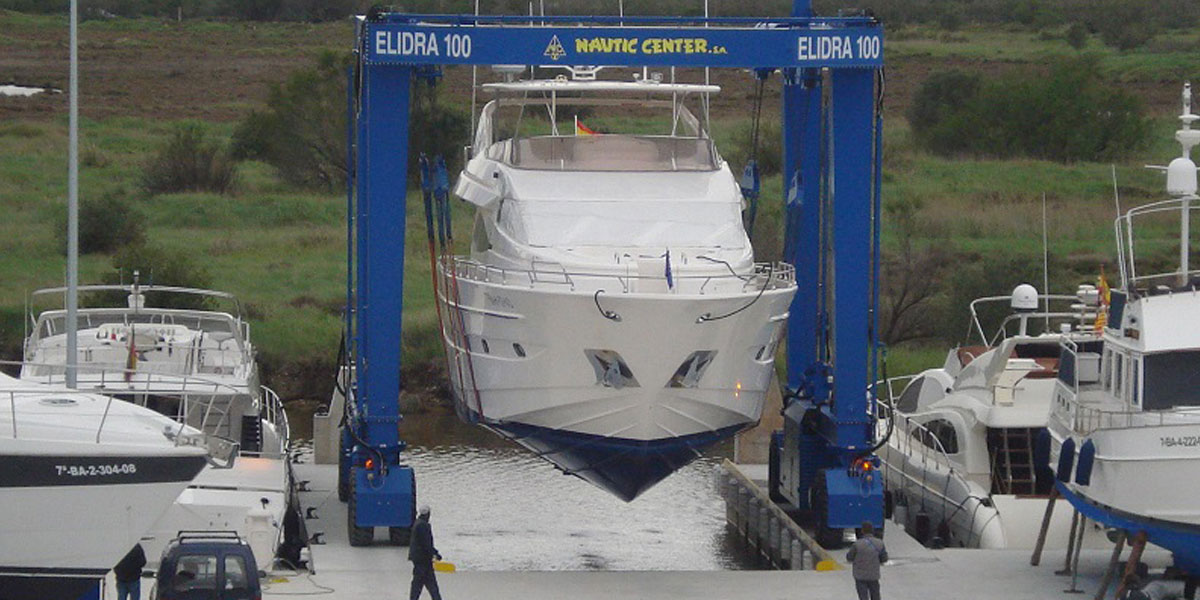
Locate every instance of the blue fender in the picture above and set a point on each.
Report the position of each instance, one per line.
(1066, 460)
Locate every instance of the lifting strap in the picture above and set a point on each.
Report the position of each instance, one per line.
(751, 179)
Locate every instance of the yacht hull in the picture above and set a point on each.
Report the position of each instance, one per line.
(69, 516)
(964, 512)
(1128, 462)
(620, 389)
(230, 500)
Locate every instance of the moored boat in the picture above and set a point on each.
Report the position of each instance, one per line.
(1125, 448)
(187, 359)
(82, 478)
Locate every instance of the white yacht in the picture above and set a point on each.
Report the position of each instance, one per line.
(195, 364)
(82, 477)
(1125, 447)
(960, 463)
(610, 316)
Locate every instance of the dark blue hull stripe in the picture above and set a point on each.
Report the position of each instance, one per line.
(22, 470)
(621, 466)
(31, 583)
(1182, 539)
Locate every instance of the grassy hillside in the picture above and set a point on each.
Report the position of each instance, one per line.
(281, 249)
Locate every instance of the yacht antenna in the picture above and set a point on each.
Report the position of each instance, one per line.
(1188, 139)
(474, 91)
(1045, 265)
(1117, 229)
(73, 208)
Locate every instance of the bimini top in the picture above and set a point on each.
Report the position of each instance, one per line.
(567, 85)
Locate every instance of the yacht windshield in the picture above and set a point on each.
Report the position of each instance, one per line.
(658, 223)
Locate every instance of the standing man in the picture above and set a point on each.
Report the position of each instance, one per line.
(129, 574)
(422, 554)
(867, 553)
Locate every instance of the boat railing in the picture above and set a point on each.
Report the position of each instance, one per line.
(274, 414)
(1079, 314)
(197, 397)
(116, 379)
(1182, 278)
(776, 275)
(221, 451)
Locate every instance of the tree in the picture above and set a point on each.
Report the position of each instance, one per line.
(302, 132)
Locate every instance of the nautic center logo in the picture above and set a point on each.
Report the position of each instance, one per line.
(555, 49)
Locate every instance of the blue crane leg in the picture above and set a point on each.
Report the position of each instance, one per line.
(384, 495)
(852, 207)
(802, 172)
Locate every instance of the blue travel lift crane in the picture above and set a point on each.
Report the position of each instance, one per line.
(832, 84)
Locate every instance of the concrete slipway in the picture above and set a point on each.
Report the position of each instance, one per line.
(914, 572)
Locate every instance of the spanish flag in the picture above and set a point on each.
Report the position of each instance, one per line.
(132, 360)
(581, 129)
(1105, 293)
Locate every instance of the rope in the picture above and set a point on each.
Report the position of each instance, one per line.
(607, 314)
(766, 284)
(461, 340)
(751, 169)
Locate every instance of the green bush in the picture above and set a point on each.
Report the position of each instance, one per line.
(1068, 114)
(1077, 35)
(105, 224)
(159, 266)
(1125, 24)
(770, 147)
(302, 133)
(189, 162)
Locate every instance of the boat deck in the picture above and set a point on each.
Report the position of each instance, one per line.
(914, 572)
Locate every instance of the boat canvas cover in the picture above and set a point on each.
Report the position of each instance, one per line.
(677, 210)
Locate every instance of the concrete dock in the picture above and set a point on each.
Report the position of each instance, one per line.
(914, 572)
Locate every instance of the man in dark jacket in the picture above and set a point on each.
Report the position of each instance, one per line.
(867, 553)
(129, 574)
(422, 554)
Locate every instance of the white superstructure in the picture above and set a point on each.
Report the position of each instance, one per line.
(960, 461)
(196, 365)
(610, 315)
(82, 478)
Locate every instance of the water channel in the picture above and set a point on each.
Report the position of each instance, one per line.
(497, 507)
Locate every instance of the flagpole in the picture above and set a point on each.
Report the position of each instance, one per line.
(73, 207)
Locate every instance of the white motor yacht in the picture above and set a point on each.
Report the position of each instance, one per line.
(610, 316)
(959, 464)
(1125, 446)
(172, 350)
(82, 478)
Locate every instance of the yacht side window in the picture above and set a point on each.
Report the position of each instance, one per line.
(943, 432)
(1135, 391)
(1170, 380)
(1118, 370)
(1106, 376)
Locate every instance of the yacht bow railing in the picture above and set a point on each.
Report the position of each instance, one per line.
(274, 413)
(542, 273)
